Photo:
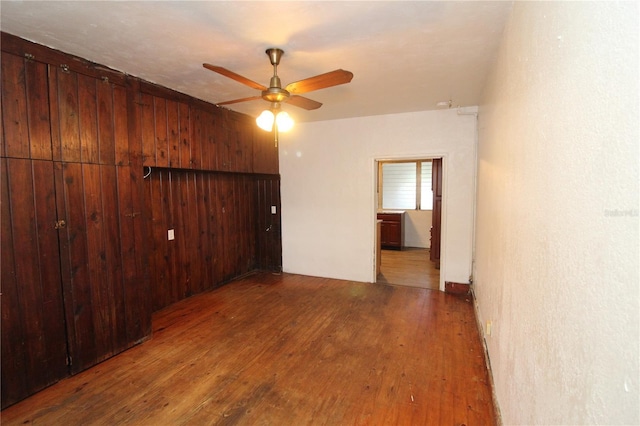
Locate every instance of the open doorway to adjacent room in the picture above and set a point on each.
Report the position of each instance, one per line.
(409, 210)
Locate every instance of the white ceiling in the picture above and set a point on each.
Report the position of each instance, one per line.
(405, 56)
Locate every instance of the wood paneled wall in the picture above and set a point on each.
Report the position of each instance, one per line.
(223, 227)
(180, 132)
(213, 217)
(85, 255)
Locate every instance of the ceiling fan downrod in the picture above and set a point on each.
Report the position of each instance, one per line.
(275, 92)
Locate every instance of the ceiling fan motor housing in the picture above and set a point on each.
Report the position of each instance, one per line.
(275, 94)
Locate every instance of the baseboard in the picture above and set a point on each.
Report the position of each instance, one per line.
(456, 288)
(487, 360)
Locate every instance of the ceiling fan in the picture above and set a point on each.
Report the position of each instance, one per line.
(290, 94)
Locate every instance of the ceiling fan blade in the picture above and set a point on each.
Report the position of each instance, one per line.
(332, 78)
(302, 102)
(235, 101)
(234, 76)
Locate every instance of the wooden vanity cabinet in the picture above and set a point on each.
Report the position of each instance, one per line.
(392, 230)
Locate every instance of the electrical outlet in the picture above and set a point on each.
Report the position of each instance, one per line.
(487, 329)
(171, 235)
(273, 210)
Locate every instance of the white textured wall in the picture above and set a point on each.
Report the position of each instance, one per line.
(328, 189)
(557, 214)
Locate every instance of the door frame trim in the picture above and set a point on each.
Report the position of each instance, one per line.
(443, 223)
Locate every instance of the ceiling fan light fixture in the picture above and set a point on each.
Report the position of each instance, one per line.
(284, 121)
(265, 120)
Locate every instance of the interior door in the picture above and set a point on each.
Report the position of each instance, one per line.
(91, 262)
(96, 193)
(436, 186)
(34, 348)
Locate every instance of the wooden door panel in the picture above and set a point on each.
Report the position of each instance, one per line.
(25, 105)
(106, 97)
(92, 263)
(14, 106)
(88, 119)
(75, 267)
(14, 377)
(38, 110)
(67, 111)
(394, 234)
(125, 152)
(91, 118)
(34, 349)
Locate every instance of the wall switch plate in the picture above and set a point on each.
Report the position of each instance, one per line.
(171, 235)
(273, 210)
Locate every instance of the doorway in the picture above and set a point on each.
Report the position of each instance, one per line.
(408, 203)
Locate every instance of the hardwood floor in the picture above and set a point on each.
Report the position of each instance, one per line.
(409, 267)
(287, 350)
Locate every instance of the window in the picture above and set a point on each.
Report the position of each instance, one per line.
(405, 185)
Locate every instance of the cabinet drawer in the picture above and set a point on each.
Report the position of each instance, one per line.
(390, 217)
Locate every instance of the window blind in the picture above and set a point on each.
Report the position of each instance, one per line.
(407, 185)
(426, 193)
(399, 186)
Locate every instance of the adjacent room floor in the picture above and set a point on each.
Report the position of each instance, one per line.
(410, 266)
(287, 350)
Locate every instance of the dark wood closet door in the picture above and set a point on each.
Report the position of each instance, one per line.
(104, 316)
(436, 182)
(103, 284)
(74, 290)
(34, 348)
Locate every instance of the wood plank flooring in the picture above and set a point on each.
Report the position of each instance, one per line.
(287, 350)
(410, 267)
